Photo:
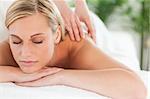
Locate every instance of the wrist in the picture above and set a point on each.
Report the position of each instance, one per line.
(80, 3)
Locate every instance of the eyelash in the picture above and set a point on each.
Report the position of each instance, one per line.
(38, 42)
(16, 42)
(33, 42)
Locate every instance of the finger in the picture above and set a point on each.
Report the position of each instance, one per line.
(68, 26)
(69, 30)
(89, 26)
(90, 30)
(75, 28)
(80, 27)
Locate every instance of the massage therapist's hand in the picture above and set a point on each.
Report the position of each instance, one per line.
(71, 20)
(19, 76)
(82, 12)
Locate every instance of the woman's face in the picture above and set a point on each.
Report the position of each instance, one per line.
(31, 42)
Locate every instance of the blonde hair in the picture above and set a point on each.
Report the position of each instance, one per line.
(23, 8)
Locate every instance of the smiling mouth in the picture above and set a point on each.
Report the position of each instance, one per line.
(28, 63)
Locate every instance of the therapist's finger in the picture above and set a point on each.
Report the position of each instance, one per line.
(91, 30)
(80, 27)
(68, 28)
(75, 28)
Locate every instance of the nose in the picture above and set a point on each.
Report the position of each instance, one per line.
(26, 51)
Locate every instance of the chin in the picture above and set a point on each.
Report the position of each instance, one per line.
(29, 70)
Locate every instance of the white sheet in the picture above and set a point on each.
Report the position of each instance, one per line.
(145, 76)
(11, 91)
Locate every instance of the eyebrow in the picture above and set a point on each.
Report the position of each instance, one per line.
(31, 35)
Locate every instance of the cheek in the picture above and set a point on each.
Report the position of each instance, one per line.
(15, 51)
(46, 52)
(50, 49)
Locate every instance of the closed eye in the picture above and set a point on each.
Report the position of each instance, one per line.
(16, 42)
(39, 42)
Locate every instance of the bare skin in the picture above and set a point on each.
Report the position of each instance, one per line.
(81, 62)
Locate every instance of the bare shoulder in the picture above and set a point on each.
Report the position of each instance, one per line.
(86, 55)
(6, 58)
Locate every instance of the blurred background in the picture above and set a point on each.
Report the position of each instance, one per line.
(126, 16)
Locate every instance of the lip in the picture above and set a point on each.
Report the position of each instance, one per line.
(28, 63)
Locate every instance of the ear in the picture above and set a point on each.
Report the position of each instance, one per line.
(57, 35)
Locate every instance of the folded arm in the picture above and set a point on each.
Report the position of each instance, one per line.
(115, 83)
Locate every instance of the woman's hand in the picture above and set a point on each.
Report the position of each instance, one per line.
(73, 25)
(82, 12)
(20, 77)
(71, 20)
(52, 79)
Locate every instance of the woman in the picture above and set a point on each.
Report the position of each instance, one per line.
(40, 53)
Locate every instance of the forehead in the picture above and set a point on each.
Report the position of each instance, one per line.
(36, 23)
